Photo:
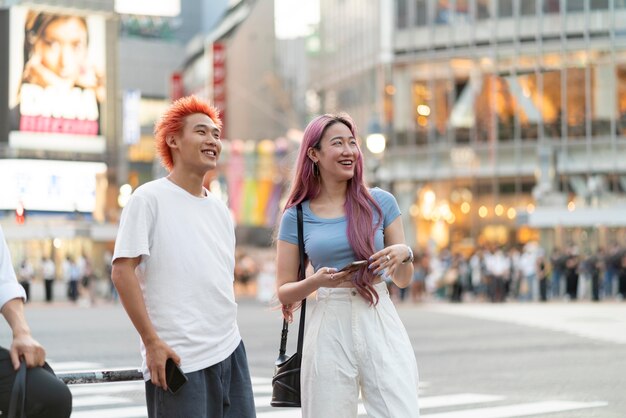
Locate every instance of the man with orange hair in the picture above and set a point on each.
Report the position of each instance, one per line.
(173, 268)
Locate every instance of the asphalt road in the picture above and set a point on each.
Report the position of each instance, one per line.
(475, 361)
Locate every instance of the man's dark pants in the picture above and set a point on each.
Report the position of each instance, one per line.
(222, 390)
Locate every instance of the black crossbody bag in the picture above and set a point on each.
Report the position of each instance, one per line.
(286, 380)
(18, 393)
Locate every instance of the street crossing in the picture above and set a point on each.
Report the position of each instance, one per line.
(126, 400)
(603, 323)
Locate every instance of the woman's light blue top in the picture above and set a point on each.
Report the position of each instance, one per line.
(325, 239)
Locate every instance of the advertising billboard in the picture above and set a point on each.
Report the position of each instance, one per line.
(56, 81)
(45, 185)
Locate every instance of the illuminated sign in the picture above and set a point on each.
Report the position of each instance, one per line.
(131, 108)
(56, 81)
(169, 8)
(45, 185)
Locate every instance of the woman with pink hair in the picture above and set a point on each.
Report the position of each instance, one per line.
(355, 341)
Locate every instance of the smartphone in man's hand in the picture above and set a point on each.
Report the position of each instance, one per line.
(174, 376)
(354, 266)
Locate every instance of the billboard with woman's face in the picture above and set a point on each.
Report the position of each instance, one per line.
(56, 81)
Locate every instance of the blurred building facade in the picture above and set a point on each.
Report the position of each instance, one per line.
(237, 67)
(66, 154)
(58, 125)
(505, 119)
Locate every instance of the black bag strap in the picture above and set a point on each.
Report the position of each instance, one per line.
(301, 271)
(18, 393)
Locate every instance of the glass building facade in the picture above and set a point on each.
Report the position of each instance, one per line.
(505, 119)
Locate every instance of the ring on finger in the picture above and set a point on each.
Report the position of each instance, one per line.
(332, 276)
(388, 258)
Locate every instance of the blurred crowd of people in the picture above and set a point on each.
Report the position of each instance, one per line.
(524, 273)
(493, 274)
(77, 273)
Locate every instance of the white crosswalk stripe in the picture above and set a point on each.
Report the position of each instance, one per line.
(108, 388)
(128, 412)
(518, 410)
(98, 400)
(126, 400)
(69, 366)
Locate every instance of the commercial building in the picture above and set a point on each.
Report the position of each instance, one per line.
(505, 119)
(236, 67)
(82, 84)
(57, 125)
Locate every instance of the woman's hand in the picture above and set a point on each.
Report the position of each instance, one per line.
(388, 258)
(330, 277)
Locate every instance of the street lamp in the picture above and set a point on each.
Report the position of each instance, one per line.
(375, 140)
(375, 143)
(124, 195)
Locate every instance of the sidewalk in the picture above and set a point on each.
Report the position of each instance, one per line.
(599, 321)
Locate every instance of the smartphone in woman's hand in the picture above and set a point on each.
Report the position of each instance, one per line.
(354, 266)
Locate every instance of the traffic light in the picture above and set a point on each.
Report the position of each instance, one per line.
(20, 214)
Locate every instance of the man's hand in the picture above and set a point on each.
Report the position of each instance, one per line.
(25, 346)
(157, 353)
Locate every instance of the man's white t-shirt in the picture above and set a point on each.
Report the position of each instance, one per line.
(187, 247)
(9, 287)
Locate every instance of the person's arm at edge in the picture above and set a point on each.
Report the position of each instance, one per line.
(23, 343)
(127, 285)
(401, 274)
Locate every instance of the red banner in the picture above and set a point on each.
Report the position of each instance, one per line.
(176, 86)
(219, 82)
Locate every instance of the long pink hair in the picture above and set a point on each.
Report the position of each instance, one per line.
(359, 201)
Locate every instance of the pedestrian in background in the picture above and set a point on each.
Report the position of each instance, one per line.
(572, 265)
(498, 266)
(107, 257)
(48, 271)
(621, 275)
(528, 267)
(420, 271)
(557, 261)
(594, 266)
(26, 274)
(478, 276)
(66, 267)
(173, 267)
(355, 342)
(612, 267)
(86, 280)
(46, 396)
(542, 276)
(74, 274)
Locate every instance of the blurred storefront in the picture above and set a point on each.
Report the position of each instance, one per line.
(253, 178)
(505, 120)
(57, 132)
(77, 132)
